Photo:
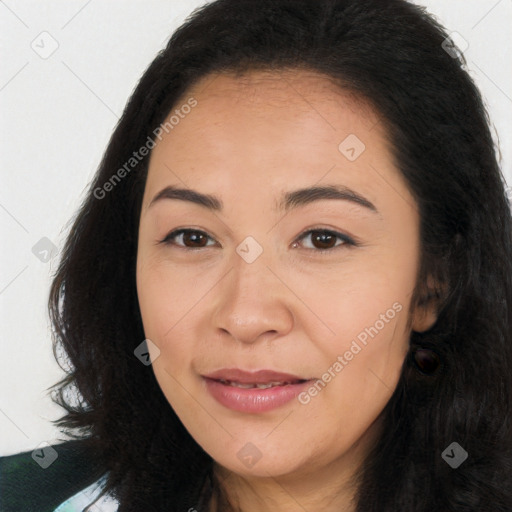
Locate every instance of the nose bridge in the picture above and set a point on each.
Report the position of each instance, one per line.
(252, 300)
(251, 276)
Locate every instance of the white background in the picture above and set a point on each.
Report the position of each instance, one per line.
(57, 117)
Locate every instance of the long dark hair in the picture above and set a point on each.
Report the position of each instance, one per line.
(391, 53)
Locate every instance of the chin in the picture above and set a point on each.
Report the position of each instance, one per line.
(262, 461)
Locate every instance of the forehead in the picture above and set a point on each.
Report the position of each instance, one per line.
(302, 88)
(259, 130)
(308, 105)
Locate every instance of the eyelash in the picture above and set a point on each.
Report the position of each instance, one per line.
(347, 241)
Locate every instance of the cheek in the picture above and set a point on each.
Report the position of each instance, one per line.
(153, 303)
(371, 360)
(362, 302)
(161, 310)
(358, 380)
(363, 351)
(171, 314)
(165, 295)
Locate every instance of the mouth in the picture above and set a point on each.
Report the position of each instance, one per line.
(242, 377)
(260, 385)
(253, 392)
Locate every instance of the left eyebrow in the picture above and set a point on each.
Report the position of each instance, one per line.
(305, 196)
(289, 200)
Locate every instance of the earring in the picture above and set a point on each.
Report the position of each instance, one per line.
(426, 360)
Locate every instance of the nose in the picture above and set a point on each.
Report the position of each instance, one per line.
(253, 304)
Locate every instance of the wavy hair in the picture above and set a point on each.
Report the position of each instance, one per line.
(390, 53)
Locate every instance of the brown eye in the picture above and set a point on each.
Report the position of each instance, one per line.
(188, 238)
(325, 240)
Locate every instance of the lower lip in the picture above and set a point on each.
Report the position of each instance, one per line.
(253, 400)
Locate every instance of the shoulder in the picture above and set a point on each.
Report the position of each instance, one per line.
(46, 478)
(89, 496)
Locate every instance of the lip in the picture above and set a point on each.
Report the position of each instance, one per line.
(253, 400)
(252, 377)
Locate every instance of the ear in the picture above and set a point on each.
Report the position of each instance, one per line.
(426, 310)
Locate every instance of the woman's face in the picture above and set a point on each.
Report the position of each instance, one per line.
(270, 276)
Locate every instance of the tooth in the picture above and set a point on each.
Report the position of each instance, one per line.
(244, 386)
(251, 386)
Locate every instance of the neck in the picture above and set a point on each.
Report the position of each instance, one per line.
(258, 494)
(330, 488)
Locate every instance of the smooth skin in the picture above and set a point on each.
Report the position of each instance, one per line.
(301, 303)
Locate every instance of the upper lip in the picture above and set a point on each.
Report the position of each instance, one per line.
(248, 377)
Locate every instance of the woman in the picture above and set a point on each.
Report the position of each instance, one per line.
(289, 287)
